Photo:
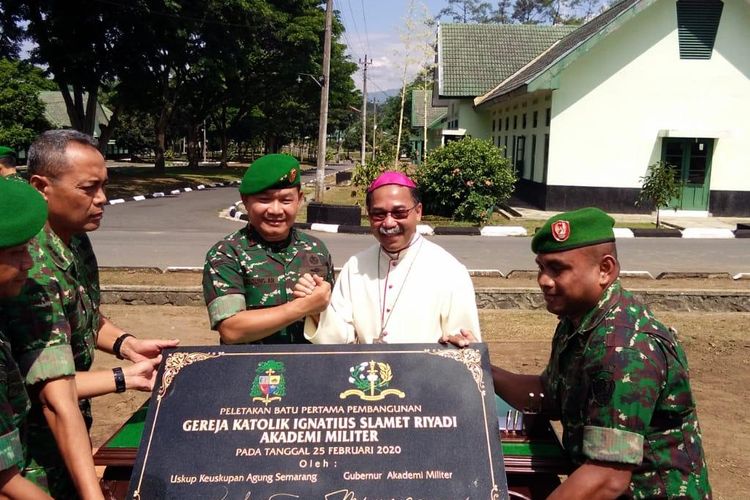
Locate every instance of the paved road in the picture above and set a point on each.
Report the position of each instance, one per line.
(177, 231)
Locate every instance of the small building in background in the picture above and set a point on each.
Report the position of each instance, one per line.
(421, 101)
(646, 80)
(57, 115)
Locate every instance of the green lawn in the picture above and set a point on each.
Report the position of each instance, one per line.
(130, 181)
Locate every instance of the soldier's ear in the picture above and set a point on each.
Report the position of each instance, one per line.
(41, 183)
(607, 269)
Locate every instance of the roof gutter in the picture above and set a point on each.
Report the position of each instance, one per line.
(439, 60)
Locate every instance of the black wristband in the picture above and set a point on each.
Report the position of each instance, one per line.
(119, 379)
(118, 344)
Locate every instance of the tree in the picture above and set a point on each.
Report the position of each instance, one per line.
(521, 11)
(73, 39)
(135, 132)
(466, 179)
(237, 83)
(416, 36)
(466, 11)
(529, 11)
(186, 63)
(21, 110)
(660, 186)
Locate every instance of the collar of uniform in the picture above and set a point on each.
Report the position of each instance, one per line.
(255, 239)
(59, 252)
(608, 300)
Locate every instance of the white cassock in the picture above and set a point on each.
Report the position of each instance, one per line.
(415, 296)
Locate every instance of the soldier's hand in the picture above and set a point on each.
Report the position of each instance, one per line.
(304, 286)
(136, 349)
(318, 299)
(141, 376)
(461, 339)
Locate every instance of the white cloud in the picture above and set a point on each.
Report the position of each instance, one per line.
(387, 68)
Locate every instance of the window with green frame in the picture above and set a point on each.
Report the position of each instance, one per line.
(519, 155)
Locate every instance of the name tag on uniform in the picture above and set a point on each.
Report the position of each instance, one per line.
(271, 280)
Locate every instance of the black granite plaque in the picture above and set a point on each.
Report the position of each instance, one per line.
(345, 422)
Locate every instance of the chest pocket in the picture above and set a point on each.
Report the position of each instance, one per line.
(312, 263)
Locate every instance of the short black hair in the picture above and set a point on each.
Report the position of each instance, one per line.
(47, 153)
(416, 197)
(8, 161)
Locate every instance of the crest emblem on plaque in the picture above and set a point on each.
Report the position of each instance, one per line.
(560, 230)
(372, 380)
(269, 384)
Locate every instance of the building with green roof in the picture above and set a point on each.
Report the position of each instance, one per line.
(584, 117)
(57, 114)
(473, 58)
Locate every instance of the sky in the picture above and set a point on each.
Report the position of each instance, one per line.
(373, 27)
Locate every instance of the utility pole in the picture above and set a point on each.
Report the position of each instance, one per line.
(364, 109)
(374, 128)
(320, 172)
(204, 142)
(424, 129)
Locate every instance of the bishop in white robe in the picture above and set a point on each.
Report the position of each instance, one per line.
(416, 295)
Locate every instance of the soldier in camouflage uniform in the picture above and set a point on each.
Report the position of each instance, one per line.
(617, 378)
(8, 164)
(249, 275)
(23, 214)
(55, 325)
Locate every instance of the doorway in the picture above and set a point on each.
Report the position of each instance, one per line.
(692, 158)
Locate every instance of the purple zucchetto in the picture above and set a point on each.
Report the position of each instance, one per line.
(391, 177)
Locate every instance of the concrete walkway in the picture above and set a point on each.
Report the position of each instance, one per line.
(676, 221)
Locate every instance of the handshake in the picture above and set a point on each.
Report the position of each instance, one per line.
(313, 294)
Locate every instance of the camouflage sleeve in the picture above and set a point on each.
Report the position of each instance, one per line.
(39, 331)
(623, 390)
(330, 274)
(10, 442)
(223, 284)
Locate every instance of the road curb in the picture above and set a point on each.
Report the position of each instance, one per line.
(529, 274)
(235, 213)
(174, 192)
(486, 298)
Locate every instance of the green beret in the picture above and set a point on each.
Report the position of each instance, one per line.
(23, 212)
(6, 151)
(568, 230)
(276, 171)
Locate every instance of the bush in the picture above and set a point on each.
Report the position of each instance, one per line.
(465, 180)
(661, 185)
(363, 176)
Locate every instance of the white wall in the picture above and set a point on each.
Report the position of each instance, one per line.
(613, 100)
(475, 123)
